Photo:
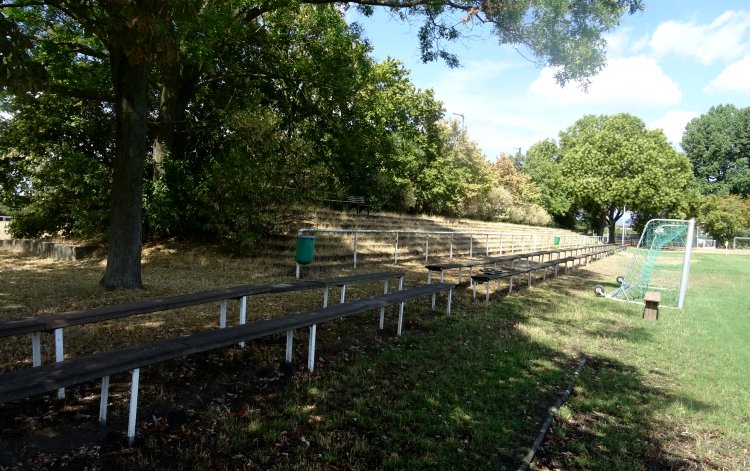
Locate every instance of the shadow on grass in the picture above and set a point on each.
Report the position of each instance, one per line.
(460, 392)
(608, 423)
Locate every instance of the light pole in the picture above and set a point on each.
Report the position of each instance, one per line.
(463, 120)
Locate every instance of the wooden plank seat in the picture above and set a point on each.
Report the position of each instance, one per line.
(496, 275)
(29, 382)
(56, 323)
(489, 275)
(351, 201)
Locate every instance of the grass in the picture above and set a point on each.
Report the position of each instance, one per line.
(464, 391)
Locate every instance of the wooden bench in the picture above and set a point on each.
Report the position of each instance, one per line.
(512, 258)
(497, 275)
(651, 305)
(29, 382)
(56, 323)
(357, 202)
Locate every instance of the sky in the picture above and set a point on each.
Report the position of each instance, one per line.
(667, 65)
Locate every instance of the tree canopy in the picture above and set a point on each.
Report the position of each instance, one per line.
(604, 164)
(142, 66)
(718, 146)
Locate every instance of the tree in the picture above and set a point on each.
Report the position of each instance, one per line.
(610, 162)
(142, 37)
(452, 174)
(725, 217)
(541, 163)
(718, 146)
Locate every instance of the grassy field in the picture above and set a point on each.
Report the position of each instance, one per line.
(466, 391)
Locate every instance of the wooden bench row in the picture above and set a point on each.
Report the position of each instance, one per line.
(509, 272)
(55, 324)
(578, 252)
(29, 382)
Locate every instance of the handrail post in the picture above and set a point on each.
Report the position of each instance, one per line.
(355, 249)
(395, 251)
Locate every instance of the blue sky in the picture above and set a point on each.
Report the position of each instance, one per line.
(667, 65)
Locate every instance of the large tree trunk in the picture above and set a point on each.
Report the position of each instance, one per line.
(130, 82)
(177, 89)
(613, 214)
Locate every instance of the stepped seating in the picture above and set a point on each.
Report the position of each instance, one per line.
(335, 249)
(20, 384)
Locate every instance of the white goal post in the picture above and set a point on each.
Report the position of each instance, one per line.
(734, 242)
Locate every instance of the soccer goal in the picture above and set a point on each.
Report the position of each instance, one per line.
(660, 262)
(741, 243)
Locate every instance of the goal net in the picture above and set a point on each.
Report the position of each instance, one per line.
(742, 243)
(659, 263)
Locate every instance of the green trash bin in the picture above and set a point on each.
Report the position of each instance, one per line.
(557, 241)
(305, 249)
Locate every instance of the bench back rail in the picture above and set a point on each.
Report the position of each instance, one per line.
(55, 324)
(20, 384)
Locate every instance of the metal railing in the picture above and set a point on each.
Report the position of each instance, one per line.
(504, 242)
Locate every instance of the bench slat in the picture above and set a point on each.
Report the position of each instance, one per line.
(24, 383)
(117, 311)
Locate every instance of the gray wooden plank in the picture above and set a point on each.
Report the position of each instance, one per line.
(32, 381)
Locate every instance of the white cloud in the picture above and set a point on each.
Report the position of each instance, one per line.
(673, 124)
(626, 82)
(734, 78)
(723, 38)
(618, 41)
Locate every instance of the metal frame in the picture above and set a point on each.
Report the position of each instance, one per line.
(685, 275)
(547, 240)
(734, 241)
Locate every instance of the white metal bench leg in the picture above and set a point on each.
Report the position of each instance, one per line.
(435, 294)
(135, 378)
(243, 315)
(103, 400)
(487, 292)
(36, 349)
(325, 296)
(311, 348)
(289, 345)
(450, 300)
(343, 294)
(382, 309)
(400, 318)
(59, 356)
(223, 314)
(473, 290)
(429, 281)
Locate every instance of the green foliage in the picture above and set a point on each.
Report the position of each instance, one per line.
(718, 146)
(541, 164)
(725, 217)
(316, 115)
(55, 169)
(610, 162)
